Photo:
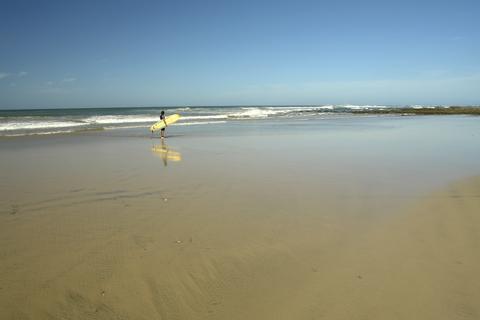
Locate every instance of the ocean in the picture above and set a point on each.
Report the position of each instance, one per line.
(63, 121)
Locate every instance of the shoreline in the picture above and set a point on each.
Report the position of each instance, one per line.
(63, 121)
(354, 116)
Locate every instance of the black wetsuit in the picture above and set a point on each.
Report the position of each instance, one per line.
(162, 118)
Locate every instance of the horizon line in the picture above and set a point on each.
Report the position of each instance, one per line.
(240, 105)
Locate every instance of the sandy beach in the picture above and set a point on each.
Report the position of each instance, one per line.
(352, 218)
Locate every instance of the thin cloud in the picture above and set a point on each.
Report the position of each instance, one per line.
(20, 74)
(69, 80)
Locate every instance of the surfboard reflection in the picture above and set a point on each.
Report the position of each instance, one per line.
(166, 153)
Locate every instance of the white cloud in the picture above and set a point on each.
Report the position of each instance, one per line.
(20, 74)
(69, 79)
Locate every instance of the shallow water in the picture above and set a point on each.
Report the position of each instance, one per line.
(15, 123)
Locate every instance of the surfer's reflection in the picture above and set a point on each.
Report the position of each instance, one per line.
(165, 153)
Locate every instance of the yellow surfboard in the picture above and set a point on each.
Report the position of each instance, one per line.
(161, 124)
(166, 153)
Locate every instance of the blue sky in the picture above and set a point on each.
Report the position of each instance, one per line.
(157, 53)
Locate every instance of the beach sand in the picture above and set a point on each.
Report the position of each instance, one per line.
(358, 219)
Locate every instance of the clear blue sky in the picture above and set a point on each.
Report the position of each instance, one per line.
(155, 53)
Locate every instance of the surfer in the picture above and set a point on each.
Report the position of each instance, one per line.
(162, 118)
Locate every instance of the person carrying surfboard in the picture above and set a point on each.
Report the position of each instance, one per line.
(162, 118)
(163, 123)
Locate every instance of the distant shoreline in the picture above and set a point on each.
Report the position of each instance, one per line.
(423, 111)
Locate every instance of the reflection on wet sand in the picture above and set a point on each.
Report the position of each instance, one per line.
(166, 153)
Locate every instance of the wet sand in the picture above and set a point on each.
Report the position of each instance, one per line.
(369, 219)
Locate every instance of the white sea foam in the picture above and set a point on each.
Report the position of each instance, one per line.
(361, 107)
(41, 133)
(265, 112)
(329, 107)
(197, 123)
(111, 119)
(255, 113)
(32, 125)
(417, 106)
(208, 117)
